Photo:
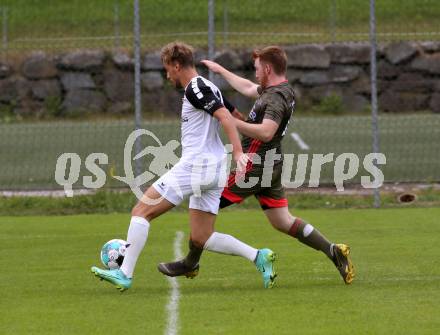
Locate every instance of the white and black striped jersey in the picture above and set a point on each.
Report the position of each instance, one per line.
(200, 129)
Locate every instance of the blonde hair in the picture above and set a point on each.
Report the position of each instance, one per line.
(178, 52)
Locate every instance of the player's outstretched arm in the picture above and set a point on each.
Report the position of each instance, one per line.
(242, 85)
(264, 131)
(227, 121)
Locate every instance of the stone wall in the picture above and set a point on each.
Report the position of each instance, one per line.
(88, 81)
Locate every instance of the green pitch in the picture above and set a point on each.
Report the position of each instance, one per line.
(47, 287)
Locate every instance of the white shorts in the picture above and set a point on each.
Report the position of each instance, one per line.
(203, 184)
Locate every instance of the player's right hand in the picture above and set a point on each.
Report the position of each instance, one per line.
(213, 66)
(238, 115)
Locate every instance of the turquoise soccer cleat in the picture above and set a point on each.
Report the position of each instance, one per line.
(264, 263)
(116, 277)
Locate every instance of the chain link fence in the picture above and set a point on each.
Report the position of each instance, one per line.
(29, 152)
(29, 25)
(29, 148)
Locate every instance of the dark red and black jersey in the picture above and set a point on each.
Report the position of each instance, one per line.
(276, 103)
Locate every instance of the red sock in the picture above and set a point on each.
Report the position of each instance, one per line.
(294, 228)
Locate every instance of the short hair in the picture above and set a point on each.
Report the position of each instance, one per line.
(177, 52)
(273, 55)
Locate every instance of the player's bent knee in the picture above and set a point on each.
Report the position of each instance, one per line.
(280, 228)
(279, 219)
(146, 211)
(298, 225)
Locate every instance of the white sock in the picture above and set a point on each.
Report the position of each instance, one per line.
(136, 238)
(227, 244)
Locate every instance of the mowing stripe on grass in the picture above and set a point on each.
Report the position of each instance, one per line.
(173, 304)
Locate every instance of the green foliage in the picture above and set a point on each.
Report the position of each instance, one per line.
(330, 105)
(52, 106)
(429, 195)
(7, 114)
(101, 202)
(123, 202)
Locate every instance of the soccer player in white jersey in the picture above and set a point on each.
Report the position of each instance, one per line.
(198, 175)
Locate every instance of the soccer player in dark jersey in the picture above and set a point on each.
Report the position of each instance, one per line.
(262, 133)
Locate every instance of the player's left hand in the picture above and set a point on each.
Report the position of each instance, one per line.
(242, 160)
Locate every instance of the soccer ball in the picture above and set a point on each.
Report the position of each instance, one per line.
(113, 252)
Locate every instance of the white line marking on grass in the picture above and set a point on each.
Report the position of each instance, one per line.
(173, 304)
(302, 145)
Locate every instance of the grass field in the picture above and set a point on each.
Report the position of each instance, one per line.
(47, 287)
(81, 23)
(29, 151)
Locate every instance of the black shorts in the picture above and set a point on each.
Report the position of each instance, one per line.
(270, 192)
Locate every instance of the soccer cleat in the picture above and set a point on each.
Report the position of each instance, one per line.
(264, 263)
(341, 258)
(116, 277)
(178, 268)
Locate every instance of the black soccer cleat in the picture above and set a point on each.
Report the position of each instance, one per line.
(342, 261)
(178, 268)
